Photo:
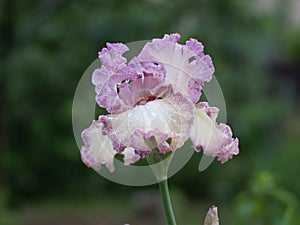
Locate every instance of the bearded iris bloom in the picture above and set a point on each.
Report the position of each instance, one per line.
(153, 103)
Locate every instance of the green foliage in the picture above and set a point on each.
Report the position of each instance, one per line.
(265, 202)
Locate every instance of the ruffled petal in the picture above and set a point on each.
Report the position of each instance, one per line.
(215, 139)
(129, 84)
(186, 65)
(148, 83)
(163, 123)
(111, 61)
(97, 149)
(130, 156)
(108, 97)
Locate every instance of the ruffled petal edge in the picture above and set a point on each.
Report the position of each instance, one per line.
(97, 149)
(215, 139)
(166, 140)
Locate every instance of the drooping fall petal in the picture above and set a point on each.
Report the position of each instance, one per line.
(164, 119)
(97, 149)
(215, 139)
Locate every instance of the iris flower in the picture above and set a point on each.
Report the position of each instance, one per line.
(153, 103)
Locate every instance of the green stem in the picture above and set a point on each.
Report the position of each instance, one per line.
(164, 190)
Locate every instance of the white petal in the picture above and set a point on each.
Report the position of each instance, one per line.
(204, 133)
(130, 156)
(215, 139)
(162, 119)
(97, 149)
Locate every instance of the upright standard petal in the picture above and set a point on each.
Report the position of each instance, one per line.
(186, 65)
(165, 121)
(112, 61)
(215, 139)
(127, 85)
(97, 149)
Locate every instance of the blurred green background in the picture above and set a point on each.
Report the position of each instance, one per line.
(45, 47)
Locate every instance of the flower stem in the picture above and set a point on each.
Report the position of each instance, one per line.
(164, 190)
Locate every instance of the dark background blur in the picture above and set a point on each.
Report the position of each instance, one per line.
(46, 47)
